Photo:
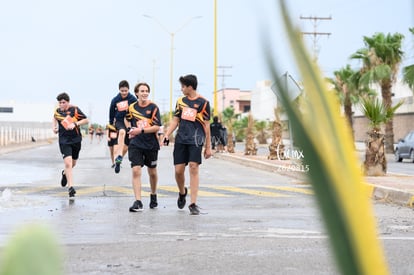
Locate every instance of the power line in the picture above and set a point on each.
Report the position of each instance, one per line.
(223, 76)
(315, 34)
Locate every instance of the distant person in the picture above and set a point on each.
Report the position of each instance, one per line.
(112, 138)
(223, 141)
(99, 133)
(217, 138)
(145, 121)
(117, 111)
(67, 120)
(192, 117)
(91, 131)
(161, 134)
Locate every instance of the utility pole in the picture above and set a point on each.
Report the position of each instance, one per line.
(315, 34)
(223, 75)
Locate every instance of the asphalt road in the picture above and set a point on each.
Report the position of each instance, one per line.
(253, 222)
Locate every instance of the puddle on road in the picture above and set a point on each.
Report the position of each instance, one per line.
(12, 173)
(10, 200)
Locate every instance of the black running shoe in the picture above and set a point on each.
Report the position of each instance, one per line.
(72, 192)
(137, 206)
(153, 201)
(64, 180)
(181, 199)
(194, 209)
(118, 162)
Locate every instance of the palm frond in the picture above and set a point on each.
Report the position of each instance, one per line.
(344, 205)
(408, 75)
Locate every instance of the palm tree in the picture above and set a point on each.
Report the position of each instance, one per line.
(276, 147)
(228, 117)
(375, 163)
(239, 127)
(381, 58)
(408, 72)
(250, 146)
(260, 127)
(346, 85)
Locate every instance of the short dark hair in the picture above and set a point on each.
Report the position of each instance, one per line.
(189, 80)
(123, 84)
(141, 84)
(63, 96)
(215, 119)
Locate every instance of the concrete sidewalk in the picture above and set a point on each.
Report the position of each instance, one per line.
(392, 188)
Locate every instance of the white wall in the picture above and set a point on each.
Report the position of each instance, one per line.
(401, 92)
(263, 101)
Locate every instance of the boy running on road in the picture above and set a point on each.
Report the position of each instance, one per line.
(145, 121)
(67, 121)
(117, 111)
(192, 116)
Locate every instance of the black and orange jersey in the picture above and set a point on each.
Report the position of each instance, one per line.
(144, 117)
(119, 107)
(72, 114)
(193, 115)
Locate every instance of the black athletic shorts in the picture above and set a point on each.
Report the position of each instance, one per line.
(184, 153)
(121, 125)
(142, 157)
(70, 150)
(112, 142)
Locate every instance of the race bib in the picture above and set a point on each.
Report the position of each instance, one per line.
(142, 124)
(189, 114)
(67, 122)
(113, 135)
(122, 105)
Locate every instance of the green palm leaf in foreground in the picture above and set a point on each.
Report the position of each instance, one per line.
(32, 250)
(326, 141)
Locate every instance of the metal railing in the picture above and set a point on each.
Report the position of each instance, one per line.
(12, 133)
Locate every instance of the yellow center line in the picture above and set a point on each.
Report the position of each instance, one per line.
(200, 192)
(84, 191)
(249, 191)
(291, 189)
(127, 191)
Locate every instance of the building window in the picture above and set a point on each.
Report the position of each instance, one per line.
(6, 109)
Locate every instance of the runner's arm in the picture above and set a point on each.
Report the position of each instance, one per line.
(112, 112)
(171, 128)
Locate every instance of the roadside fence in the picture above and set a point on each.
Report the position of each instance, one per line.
(12, 133)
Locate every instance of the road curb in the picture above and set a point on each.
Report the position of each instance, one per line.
(376, 192)
(393, 195)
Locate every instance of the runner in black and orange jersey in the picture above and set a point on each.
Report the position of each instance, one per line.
(66, 122)
(145, 121)
(192, 116)
(117, 111)
(112, 137)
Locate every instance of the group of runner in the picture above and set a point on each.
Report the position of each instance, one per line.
(134, 127)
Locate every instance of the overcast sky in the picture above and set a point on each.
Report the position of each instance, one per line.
(85, 47)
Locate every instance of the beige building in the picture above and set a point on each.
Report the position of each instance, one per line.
(233, 97)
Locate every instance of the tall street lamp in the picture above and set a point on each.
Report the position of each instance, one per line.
(172, 34)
